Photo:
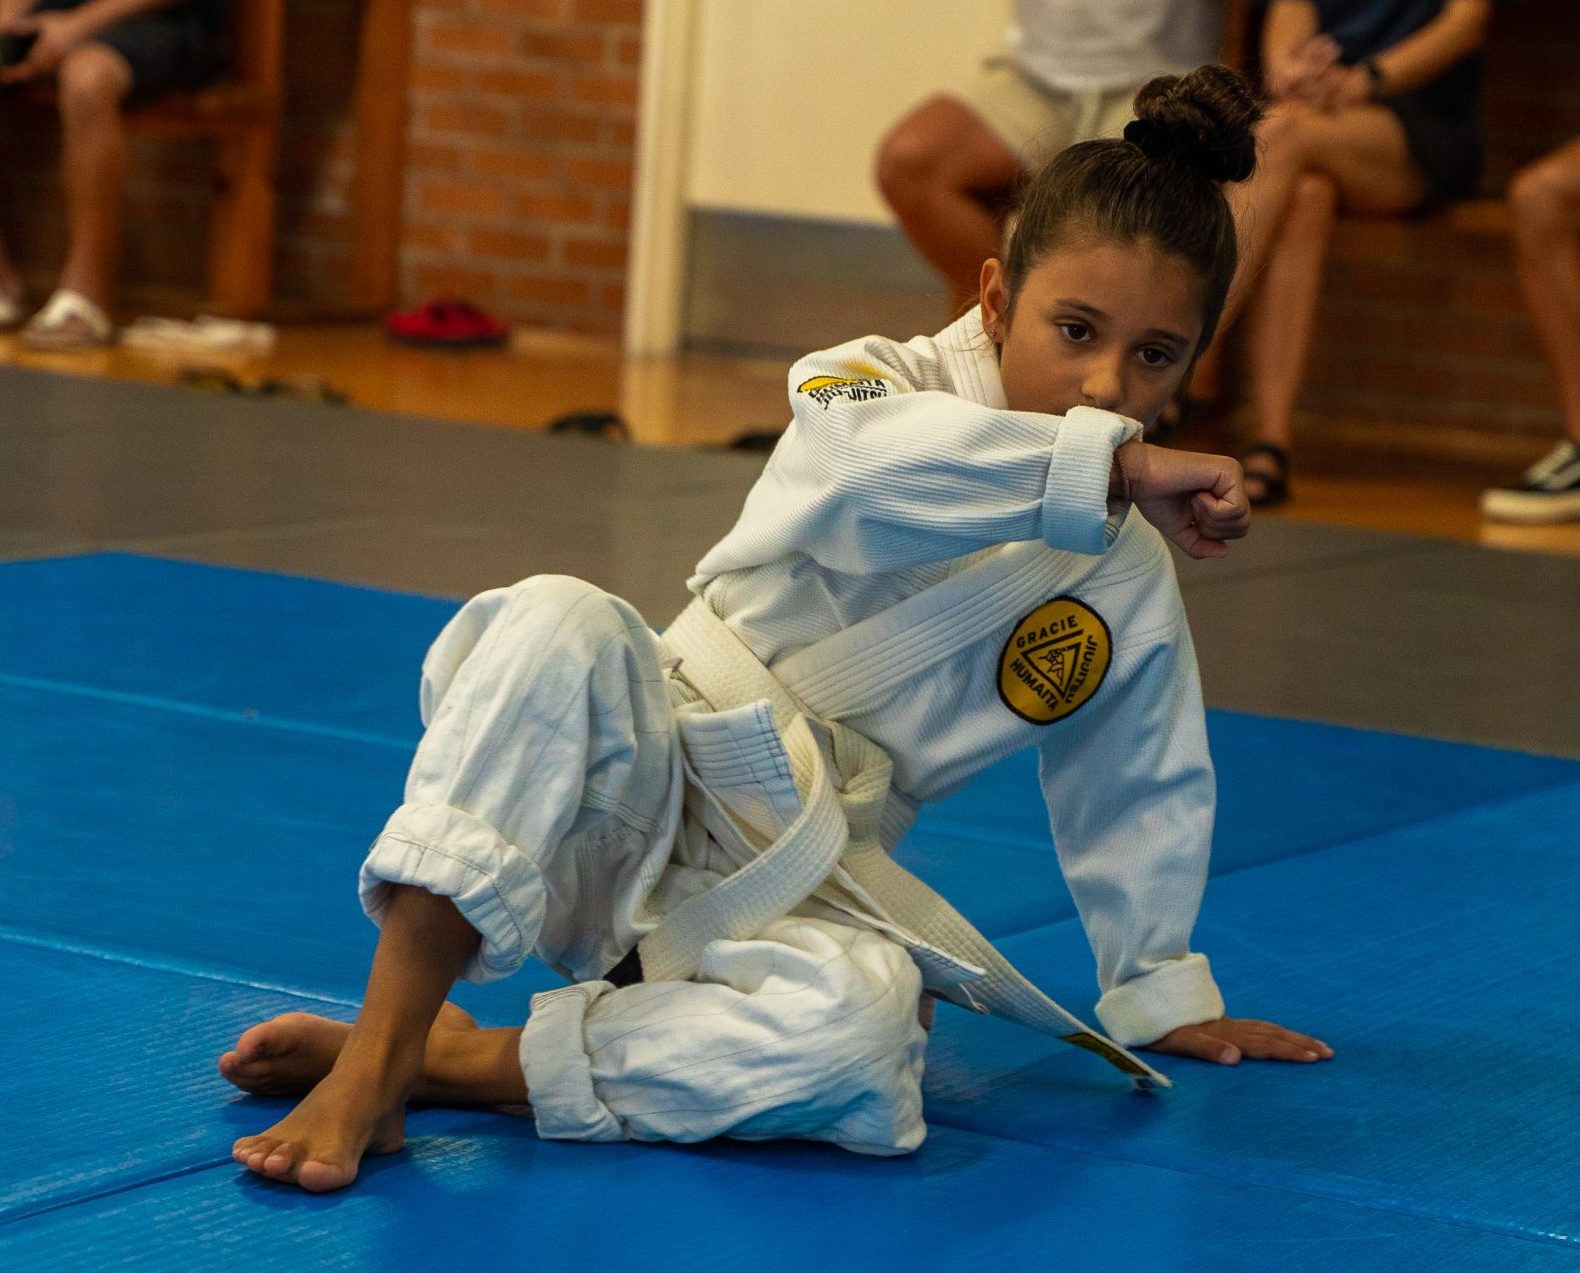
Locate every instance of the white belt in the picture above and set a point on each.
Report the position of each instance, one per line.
(850, 857)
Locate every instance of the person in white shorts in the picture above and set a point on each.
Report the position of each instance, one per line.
(1069, 70)
(958, 551)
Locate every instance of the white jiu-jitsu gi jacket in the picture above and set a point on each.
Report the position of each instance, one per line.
(942, 576)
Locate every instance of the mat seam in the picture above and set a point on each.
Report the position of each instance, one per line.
(175, 707)
(129, 1186)
(216, 1164)
(43, 941)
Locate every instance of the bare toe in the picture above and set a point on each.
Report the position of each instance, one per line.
(281, 1163)
(316, 1176)
(253, 1149)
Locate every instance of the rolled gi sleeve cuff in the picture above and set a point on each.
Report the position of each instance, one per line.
(1144, 1009)
(558, 1073)
(1075, 514)
(451, 853)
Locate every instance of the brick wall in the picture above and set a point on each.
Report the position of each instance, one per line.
(523, 131)
(521, 137)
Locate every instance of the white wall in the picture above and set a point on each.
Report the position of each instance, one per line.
(790, 97)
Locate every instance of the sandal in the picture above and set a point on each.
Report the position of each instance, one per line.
(447, 324)
(593, 424)
(294, 388)
(68, 322)
(1274, 479)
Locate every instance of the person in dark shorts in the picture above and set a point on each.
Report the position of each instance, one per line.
(104, 55)
(1376, 109)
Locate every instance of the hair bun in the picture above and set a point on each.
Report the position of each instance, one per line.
(1205, 120)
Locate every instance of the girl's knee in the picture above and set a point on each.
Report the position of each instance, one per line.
(1285, 134)
(546, 630)
(570, 614)
(92, 79)
(1545, 197)
(1316, 195)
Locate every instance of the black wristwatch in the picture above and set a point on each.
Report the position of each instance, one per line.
(1374, 77)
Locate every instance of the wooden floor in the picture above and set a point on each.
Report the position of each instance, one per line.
(1349, 473)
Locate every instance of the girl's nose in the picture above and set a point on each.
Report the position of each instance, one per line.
(1102, 386)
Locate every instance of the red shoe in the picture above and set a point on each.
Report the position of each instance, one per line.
(452, 324)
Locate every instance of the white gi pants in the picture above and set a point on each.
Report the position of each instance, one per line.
(547, 800)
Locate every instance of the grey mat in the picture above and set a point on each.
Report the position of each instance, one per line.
(1381, 631)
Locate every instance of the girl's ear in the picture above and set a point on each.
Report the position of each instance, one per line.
(995, 300)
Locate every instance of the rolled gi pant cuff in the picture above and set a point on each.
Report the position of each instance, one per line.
(1145, 1008)
(451, 853)
(555, 1065)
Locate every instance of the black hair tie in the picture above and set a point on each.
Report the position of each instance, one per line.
(1146, 135)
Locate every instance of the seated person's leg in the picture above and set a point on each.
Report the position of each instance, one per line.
(95, 82)
(1283, 311)
(1546, 202)
(132, 59)
(1362, 151)
(944, 171)
(10, 291)
(1359, 157)
(1545, 198)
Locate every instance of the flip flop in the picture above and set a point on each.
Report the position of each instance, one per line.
(205, 334)
(593, 424)
(1275, 485)
(68, 322)
(448, 324)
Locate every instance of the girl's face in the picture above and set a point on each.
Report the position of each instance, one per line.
(1098, 324)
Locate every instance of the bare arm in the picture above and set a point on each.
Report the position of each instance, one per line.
(94, 16)
(1290, 23)
(1294, 51)
(58, 32)
(1460, 29)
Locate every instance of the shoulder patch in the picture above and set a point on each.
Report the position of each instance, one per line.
(824, 389)
(1054, 661)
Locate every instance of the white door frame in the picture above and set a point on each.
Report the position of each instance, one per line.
(656, 272)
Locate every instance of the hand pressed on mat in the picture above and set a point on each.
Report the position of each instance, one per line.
(1229, 1039)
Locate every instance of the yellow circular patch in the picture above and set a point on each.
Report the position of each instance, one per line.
(1054, 661)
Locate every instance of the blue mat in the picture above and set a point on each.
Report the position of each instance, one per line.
(192, 761)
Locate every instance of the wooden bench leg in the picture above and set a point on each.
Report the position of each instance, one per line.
(241, 238)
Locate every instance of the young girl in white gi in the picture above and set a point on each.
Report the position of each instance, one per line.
(956, 552)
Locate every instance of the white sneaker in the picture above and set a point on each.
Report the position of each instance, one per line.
(1548, 492)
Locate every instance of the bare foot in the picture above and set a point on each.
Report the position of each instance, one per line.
(356, 1108)
(291, 1054)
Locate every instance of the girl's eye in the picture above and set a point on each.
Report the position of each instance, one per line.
(1155, 357)
(1076, 331)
